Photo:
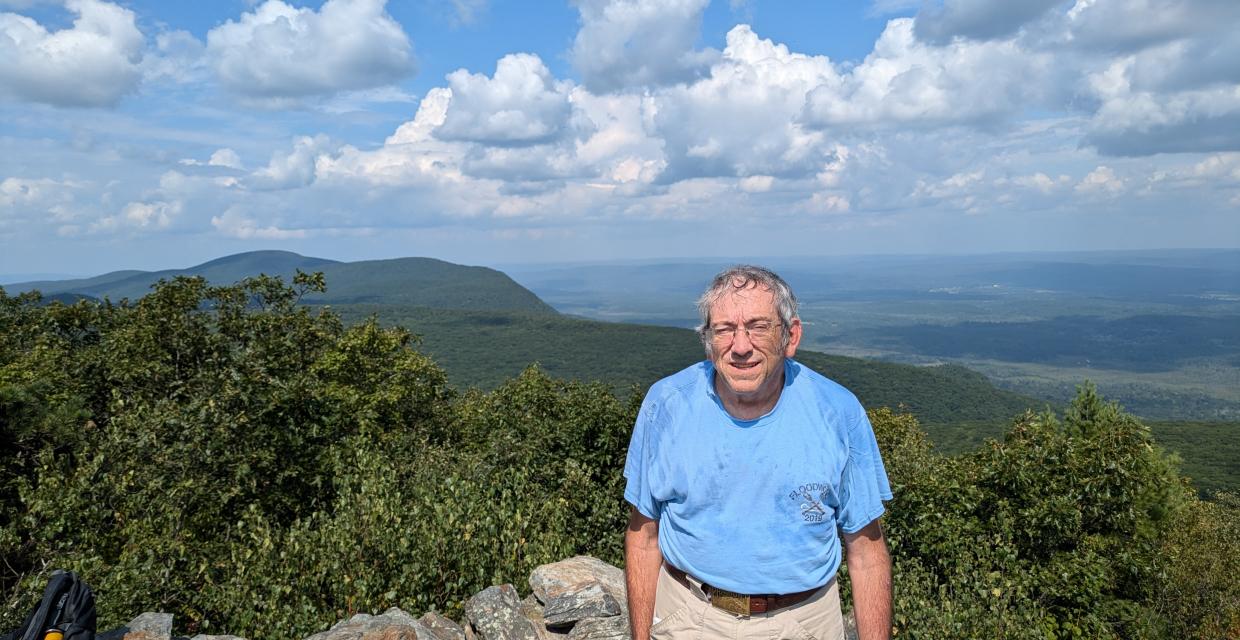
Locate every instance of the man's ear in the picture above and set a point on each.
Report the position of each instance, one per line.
(794, 338)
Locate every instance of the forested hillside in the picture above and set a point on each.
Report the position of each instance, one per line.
(484, 348)
(246, 463)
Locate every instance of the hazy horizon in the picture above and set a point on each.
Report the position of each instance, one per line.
(20, 277)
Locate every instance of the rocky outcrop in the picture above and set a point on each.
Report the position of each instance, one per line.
(495, 614)
(580, 598)
(148, 626)
(577, 589)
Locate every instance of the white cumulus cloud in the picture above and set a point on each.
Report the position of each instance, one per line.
(296, 168)
(19, 191)
(35, 200)
(279, 51)
(1101, 180)
(625, 44)
(225, 158)
(742, 119)
(521, 104)
(1135, 121)
(150, 214)
(92, 64)
(1124, 26)
(156, 215)
(1221, 169)
(905, 80)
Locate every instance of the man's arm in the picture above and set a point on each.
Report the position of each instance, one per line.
(642, 560)
(869, 569)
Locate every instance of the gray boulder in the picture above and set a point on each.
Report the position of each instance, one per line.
(147, 626)
(495, 614)
(613, 628)
(579, 588)
(203, 636)
(442, 628)
(579, 602)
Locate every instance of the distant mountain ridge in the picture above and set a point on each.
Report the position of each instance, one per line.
(423, 282)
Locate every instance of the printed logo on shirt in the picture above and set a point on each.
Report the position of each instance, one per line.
(814, 499)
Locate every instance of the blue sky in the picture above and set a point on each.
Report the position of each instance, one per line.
(162, 134)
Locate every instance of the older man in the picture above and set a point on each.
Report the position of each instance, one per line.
(740, 470)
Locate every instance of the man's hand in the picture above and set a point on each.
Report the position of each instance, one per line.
(642, 560)
(869, 568)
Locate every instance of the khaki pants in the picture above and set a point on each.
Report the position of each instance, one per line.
(679, 614)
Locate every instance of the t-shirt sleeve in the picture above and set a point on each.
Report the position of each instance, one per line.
(637, 465)
(864, 485)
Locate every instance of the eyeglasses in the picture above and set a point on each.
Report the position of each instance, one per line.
(725, 334)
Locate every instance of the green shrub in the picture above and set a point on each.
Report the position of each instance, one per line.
(1056, 531)
(1201, 595)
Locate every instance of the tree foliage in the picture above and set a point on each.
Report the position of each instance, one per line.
(252, 466)
(1055, 531)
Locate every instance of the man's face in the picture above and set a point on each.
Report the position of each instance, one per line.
(750, 367)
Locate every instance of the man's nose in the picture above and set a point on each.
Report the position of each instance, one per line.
(741, 344)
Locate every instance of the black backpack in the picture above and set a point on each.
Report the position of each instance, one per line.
(68, 606)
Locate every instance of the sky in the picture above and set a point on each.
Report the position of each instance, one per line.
(158, 134)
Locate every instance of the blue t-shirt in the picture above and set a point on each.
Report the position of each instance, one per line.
(752, 506)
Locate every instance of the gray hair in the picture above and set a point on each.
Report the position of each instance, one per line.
(744, 276)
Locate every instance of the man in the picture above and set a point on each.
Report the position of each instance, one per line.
(739, 471)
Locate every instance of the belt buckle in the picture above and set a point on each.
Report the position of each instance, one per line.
(734, 603)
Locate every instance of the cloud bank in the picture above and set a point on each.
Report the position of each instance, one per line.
(975, 110)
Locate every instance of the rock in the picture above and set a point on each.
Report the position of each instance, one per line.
(495, 614)
(577, 573)
(395, 616)
(393, 624)
(148, 626)
(579, 588)
(579, 602)
(441, 627)
(533, 611)
(203, 636)
(612, 628)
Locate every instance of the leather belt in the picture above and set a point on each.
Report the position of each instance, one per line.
(741, 604)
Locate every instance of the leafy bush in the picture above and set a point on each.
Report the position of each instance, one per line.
(1056, 531)
(1201, 595)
